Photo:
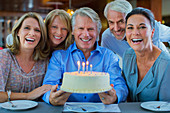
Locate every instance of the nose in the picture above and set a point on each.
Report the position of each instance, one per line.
(86, 33)
(32, 32)
(135, 31)
(59, 31)
(115, 27)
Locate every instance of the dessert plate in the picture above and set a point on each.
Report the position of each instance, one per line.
(85, 107)
(156, 105)
(20, 104)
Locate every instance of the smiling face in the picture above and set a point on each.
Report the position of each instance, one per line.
(29, 34)
(85, 33)
(116, 21)
(138, 32)
(57, 31)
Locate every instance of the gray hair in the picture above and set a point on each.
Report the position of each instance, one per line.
(122, 6)
(85, 11)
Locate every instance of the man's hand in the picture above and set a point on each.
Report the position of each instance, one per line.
(108, 98)
(58, 97)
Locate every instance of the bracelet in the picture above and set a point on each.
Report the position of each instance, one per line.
(9, 95)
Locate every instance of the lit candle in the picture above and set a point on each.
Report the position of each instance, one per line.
(91, 68)
(83, 64)
(87, 64)
(78, 63)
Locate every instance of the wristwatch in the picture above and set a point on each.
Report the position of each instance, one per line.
(9, 95)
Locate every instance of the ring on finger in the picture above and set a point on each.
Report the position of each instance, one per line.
(102, 98)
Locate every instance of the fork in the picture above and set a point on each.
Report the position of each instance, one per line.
(74, 105)
(9, 99)
(164, 104)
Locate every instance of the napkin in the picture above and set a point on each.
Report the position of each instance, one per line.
(107, 108)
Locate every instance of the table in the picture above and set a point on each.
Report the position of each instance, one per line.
(130, 107)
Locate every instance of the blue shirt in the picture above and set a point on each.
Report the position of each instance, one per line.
(102, 59)
(155, 85)
(162, 33)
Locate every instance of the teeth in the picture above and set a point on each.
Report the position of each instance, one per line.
(57, 37)
(137, 40)
(85, 40)
(30, 40)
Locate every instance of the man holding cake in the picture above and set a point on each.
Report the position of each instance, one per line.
(102, 62)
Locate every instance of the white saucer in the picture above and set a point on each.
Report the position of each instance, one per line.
(153, 105)
(20, 104)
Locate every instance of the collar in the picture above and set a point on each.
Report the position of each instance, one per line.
(98, 48)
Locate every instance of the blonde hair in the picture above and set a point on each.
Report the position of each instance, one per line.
(41, 51)
(64, 16)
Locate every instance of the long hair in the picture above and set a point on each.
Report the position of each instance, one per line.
(64, 16)
(41, 51)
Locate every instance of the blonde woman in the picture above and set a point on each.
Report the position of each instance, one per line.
(23, 64)
(58, 26)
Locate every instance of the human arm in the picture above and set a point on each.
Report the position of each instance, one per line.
(108, 98)
(25, 96)
(120, 89)
(53, 77)
(7, 83)
(58, 97)
(164, 32)
(164, 92)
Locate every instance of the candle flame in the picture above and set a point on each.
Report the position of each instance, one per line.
(78, 63)
(90, 65)
(83, 64)
(87, 62)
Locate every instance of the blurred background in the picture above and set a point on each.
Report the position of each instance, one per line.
(12, 10)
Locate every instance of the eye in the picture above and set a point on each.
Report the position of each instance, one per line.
(65, 29)
(142, 27)
(81, 28)
(90, 29)
(54, 26)
(26, 28)
(37, 30)
(129, 27)
(110, 22)
(121, 21)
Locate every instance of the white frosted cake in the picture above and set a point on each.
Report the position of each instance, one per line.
(96, 82)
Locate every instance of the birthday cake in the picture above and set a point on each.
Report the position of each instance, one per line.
(88, 82)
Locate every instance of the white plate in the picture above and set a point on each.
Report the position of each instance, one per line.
(89, 107)
(20, 104)
(152, 105)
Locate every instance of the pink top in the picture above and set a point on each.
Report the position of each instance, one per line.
(13, 78)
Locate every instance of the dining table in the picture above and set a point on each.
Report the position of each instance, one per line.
(42, 107)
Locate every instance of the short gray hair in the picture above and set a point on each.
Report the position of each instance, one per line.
(85, 11)
(122, 6)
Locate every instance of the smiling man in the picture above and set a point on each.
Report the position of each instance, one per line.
(86, 28)
(114, 37)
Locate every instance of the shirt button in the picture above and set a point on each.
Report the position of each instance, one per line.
(82, 58)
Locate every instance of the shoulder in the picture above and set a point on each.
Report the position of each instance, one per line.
(106, 34)
(107, 52)
(129, 52)
(5, 54)
(128, 56)
(61, 54)
(165, 57)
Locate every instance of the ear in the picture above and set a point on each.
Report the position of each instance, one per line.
(152, 32)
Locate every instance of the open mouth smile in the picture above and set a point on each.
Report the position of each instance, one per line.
(30, 40)
(137, 40)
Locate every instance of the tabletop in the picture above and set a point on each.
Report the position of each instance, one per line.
(130, 107)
